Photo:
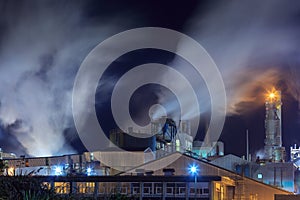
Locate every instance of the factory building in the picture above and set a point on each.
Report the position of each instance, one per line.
(155, 179)
(133, 187)
(295, 155)
(215, 176)
(170, 137)
(230, 186)
(295, 159)
(165, 136)
(271, 168)
(281, 175)
(4, 155)
(132, 141)
(56, 165)
(208, 150)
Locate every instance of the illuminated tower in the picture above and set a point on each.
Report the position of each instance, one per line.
(273, 142)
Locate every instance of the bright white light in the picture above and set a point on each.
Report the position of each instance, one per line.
(193, 169)
(58, 170)
(89, 170)
(260, 176)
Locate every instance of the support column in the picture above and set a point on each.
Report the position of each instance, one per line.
(52, 185)
(164, 191)
(141, 190)
(73, 187)
(187, 190)
(96, 187)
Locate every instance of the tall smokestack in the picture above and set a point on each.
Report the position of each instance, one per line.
(273, 142)
(247, 145)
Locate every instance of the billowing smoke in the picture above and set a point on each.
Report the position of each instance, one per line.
(254, 44)
(255, 49)
(42, 46)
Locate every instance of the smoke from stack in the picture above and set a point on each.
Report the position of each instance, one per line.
(254, 48)
(41, 47)
(43, 44)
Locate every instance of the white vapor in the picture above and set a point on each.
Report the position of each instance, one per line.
(42, 46)
(254, 45)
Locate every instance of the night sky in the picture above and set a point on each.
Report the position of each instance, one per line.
(42, 44)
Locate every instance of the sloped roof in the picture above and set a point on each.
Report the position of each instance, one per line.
(229, 161)
(181, 163)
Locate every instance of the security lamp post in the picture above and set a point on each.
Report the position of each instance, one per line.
(194, 171)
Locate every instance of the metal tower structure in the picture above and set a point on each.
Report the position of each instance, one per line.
(273, 142)
(165, 130)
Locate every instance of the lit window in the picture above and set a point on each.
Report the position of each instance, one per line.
(260, 176)
(177, 145)
(62, 187)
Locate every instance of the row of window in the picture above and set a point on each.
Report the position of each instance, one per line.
(130, 188)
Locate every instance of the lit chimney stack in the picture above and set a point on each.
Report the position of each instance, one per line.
(273, 141)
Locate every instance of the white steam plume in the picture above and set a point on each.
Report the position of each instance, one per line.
(42, 46)
(253, 46)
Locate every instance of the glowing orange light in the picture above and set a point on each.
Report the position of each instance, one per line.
(11, 171)
(272, 95)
